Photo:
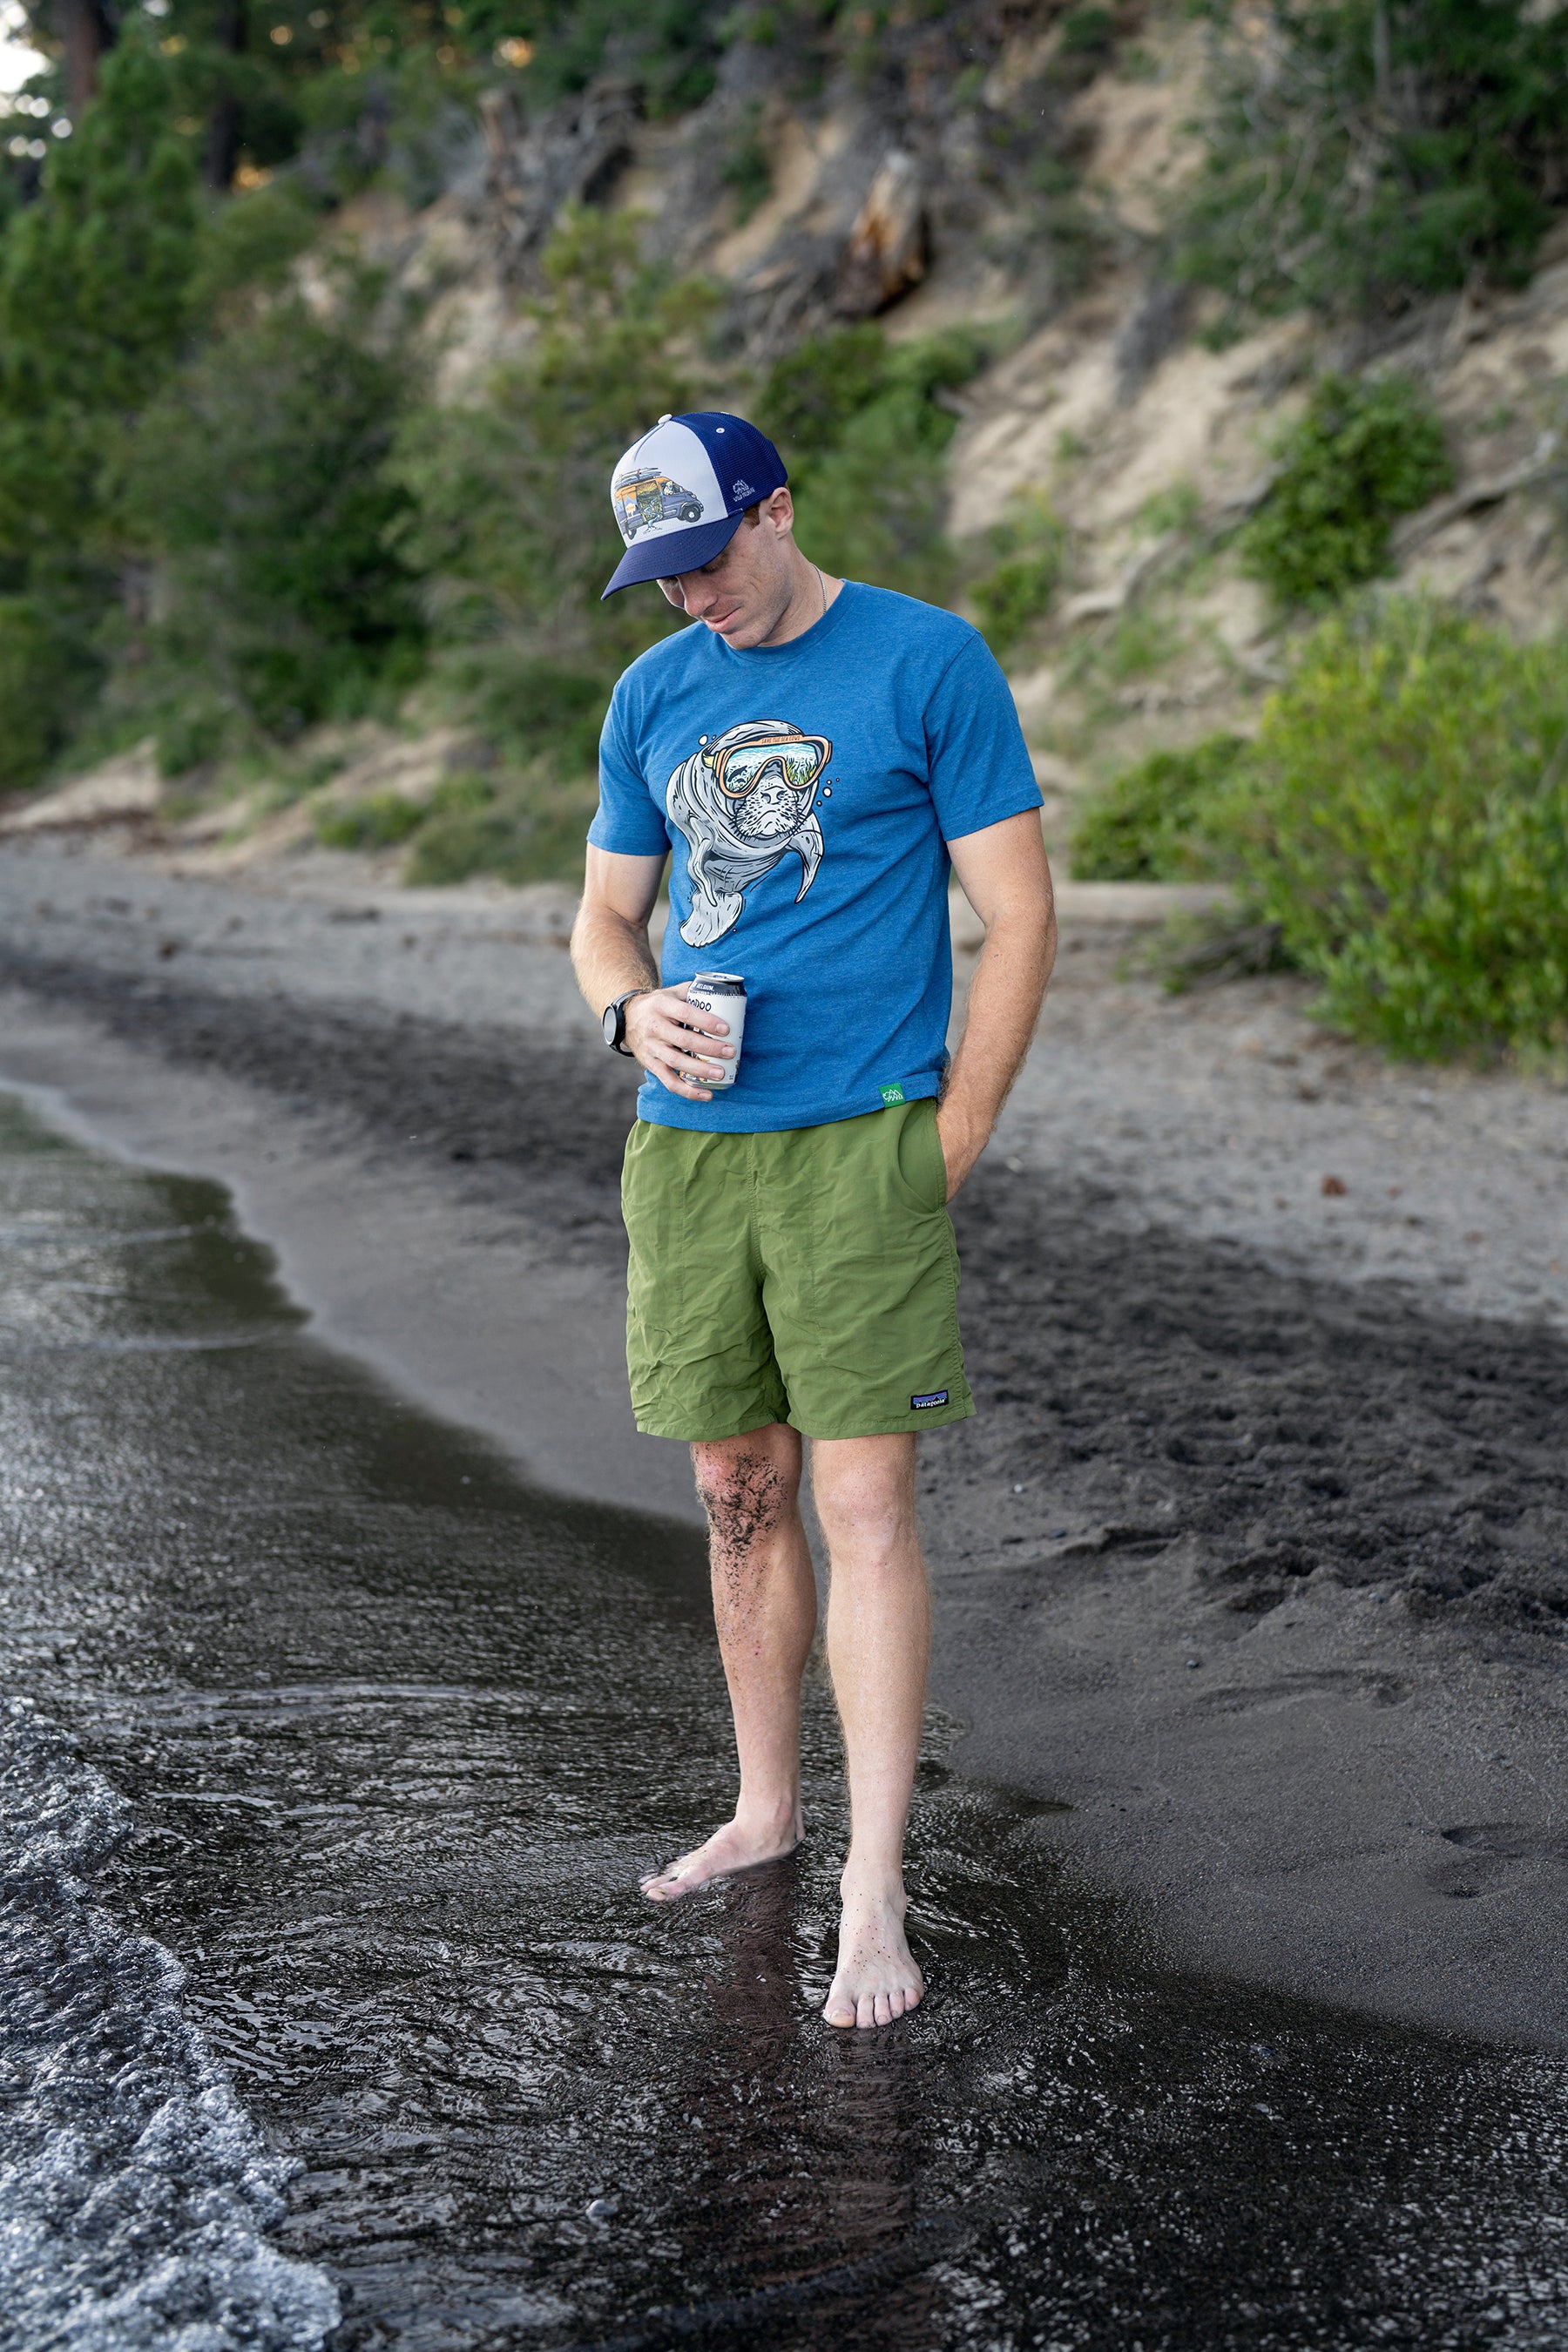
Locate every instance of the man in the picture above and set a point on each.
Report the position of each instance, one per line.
(816, 754)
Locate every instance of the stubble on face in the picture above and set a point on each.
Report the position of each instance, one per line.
(744, 594)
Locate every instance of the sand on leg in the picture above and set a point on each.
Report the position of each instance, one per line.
(764, 1606)
(878, 1650)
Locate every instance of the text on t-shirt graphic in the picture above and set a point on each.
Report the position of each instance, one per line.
(744, 801)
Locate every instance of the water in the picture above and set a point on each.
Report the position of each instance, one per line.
(397, 1736)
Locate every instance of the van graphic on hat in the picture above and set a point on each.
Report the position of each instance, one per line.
(669, 496)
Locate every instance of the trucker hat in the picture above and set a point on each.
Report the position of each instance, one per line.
(680, 492)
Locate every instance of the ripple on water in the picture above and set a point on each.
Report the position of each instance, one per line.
(401, 1735)
(134, 2189)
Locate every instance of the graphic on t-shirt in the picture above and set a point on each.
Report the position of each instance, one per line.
(744, 801)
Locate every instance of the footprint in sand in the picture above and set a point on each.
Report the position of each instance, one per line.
(1490, 1853)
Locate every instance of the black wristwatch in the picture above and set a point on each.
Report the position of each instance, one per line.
(614, 1023)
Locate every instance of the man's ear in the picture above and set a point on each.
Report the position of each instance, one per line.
(780, 511)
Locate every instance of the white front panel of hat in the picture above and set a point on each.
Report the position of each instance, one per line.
(665, 483)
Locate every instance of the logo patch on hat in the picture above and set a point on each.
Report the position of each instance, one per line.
(742, 488)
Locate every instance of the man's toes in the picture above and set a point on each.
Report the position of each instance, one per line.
(838, 2009)
(664, 1886)
(865, 2010)
(896, 2003)
(883, 2009)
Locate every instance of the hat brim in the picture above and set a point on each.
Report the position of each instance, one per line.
(672, 552)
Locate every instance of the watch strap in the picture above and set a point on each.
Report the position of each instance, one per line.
(617, 1005)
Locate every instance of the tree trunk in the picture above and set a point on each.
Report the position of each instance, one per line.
(1382, 63)
(85, 30)
(222, 123)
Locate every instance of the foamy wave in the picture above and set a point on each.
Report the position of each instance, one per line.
(134, 2189)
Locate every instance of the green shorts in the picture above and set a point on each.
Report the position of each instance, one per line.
(809, 1276)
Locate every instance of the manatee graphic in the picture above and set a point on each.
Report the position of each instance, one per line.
(744, 801)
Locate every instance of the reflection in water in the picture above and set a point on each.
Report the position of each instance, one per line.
(401, 1734)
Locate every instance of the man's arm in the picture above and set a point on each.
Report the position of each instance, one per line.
(610, 954)
(1003, 874)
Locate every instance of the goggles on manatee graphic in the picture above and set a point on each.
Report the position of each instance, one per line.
(743, 801)
(799, 759)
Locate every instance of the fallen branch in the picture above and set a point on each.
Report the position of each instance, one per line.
(1543, 467)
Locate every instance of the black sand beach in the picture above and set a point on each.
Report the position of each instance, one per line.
(1261, 1573)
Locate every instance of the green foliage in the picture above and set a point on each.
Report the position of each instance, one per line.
(534, 713)
(94, 276)
(258, 481)
(1086, 44)
(93, 300)
(1019, 587)
(1403, 819)
(814, 391)
(510, 515)
(1366, 450)
(378, 821)
(251, 244)
(1175, 507)
(671, 45)
(47, 673)
(1366, 152)
(862, 428)
(746, 168)
(1146, 826)
(530, 833)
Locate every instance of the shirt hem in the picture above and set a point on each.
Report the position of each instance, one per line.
(675, 1111)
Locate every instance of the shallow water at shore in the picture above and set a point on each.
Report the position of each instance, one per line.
(400, 1734)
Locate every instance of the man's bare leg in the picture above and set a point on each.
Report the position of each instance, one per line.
(878, 1649)
(764, 1605)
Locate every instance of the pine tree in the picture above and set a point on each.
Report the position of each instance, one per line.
(94, 277)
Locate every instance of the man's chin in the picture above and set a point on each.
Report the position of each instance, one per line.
(735, 631)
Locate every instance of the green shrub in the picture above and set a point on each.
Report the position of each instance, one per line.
(258, 479)
(251, 241)
(521, 833)
(510, 518)
(94, 279)
(1146, 826)
(1013, 594)
(1367, 153)
(532, 712)
(48, 670)
(862, 428)
(1365, 451)
(1019, 587)
(1403, 818)
(746, 168)
(812, 393)
(378, 821)
(1086, 45)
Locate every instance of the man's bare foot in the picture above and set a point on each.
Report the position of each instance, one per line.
(876, 1977)
(738, 1845)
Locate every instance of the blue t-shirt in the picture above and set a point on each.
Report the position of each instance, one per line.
(808, 792)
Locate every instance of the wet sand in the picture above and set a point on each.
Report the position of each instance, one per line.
(330, 2007)
(1256, 1557)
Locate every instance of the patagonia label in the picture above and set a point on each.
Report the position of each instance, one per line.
(925, 1404)
(891, 1095)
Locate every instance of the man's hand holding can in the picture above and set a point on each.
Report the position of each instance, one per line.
(662, 1031)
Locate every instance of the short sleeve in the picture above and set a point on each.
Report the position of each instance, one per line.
(980, 768)
(627, 821)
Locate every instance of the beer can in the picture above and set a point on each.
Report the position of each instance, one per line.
(723, 992)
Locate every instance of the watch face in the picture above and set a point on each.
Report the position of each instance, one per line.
(611, 1025)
